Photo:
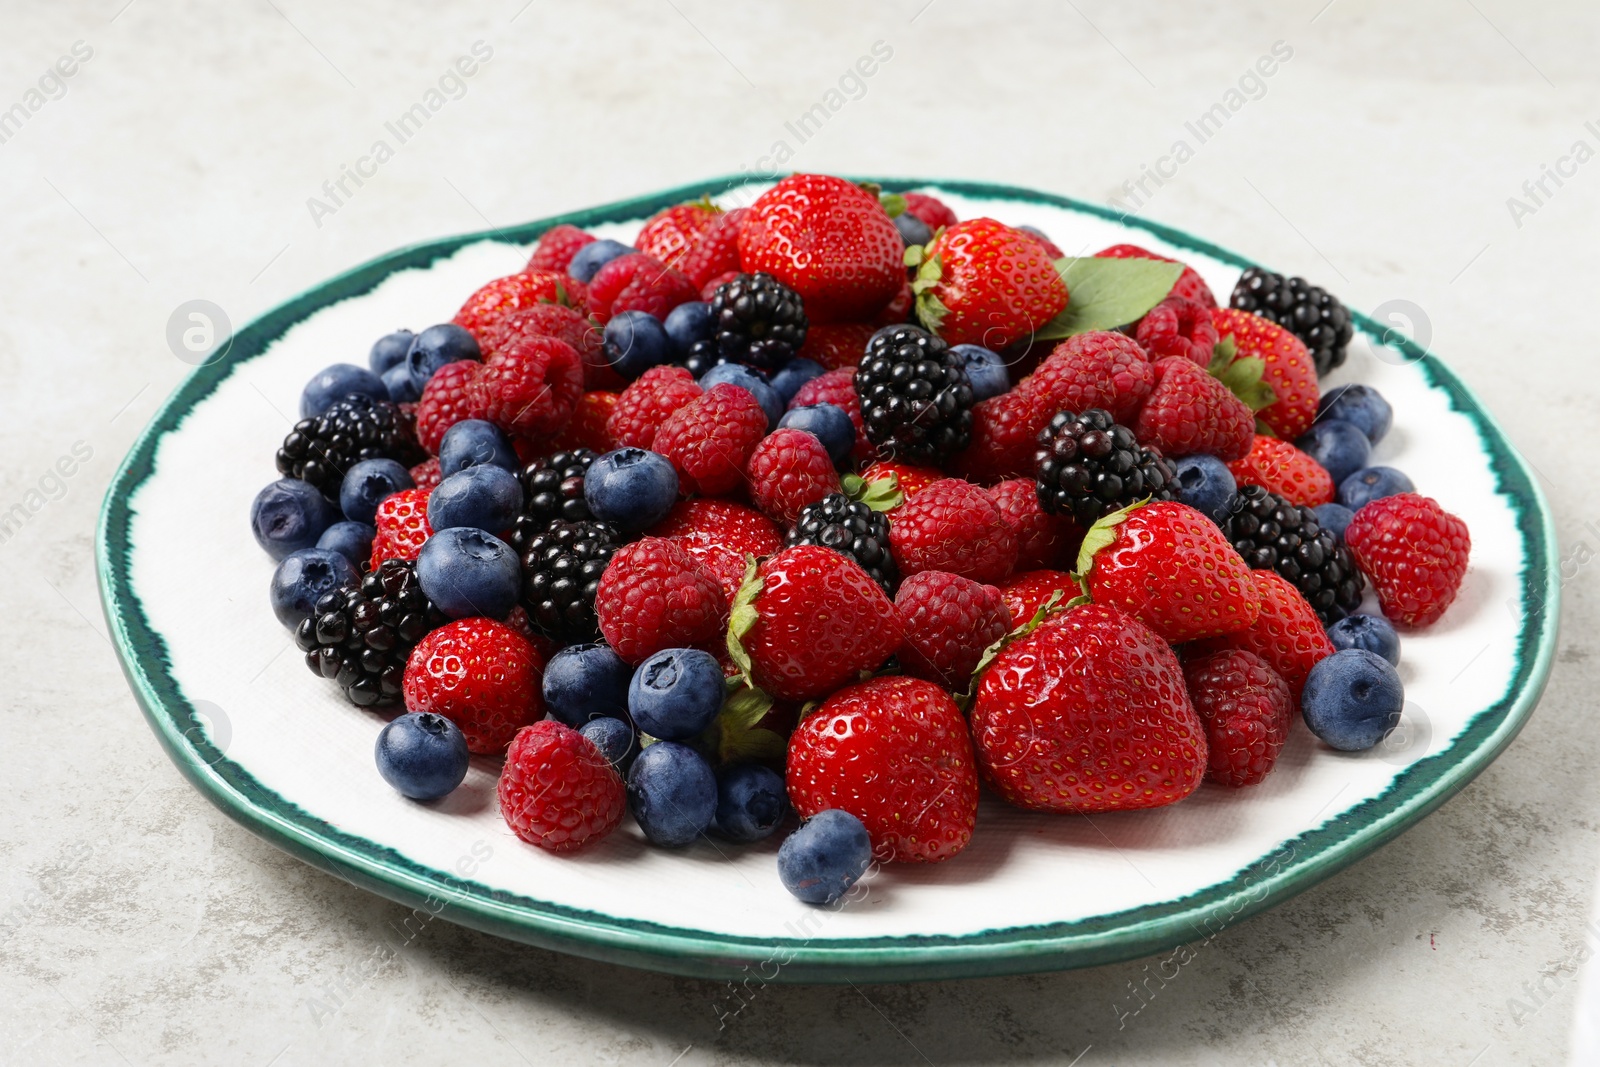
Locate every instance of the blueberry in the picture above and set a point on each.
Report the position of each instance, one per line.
(402, 390)
(475, 443)
(688, 323)
(1340, 447)
(302, 579)
(616, 740)
(1360, 405)
(422, 755)
(484, 498)
(821, 861)
(985, 370)
(1372, 483)
(336, 383)
(751, 801)
(1036, 232)
(367, 483)
(630, 488)
(913, 231)
(676, 693)
(1205, 484)
(389, 351)
(635, 341)
(352, 540)
(672, 793)
(827, 423)
(795, 373)
(1333, 518)
(1352, 698)
(289, 515)
(751, 381)
(583, 682)
(468, 572)
(436, 346)
(594, 255)
(1371, 632)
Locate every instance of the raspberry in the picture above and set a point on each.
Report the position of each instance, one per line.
(1414, 551)
(717, 253)
(898, 310)
(425, 475)
(708, 291)
(588, 427)
(709, 439)
(482, 675)
(494, 301)
(953, 526)
(1179, 327)
(402, 526)
(655, 595)
(1004, 429)
(720, 534)
(1189, 285)
(530, 388)
(837, 387)
(557, 791)
(445, 402)
(1246, 709)
(1281, 468)
(837, 344)
(929, 209)
(645, 405)
(1189, 411)
(1029, 591)
(1043, 540)
(564, 323)
(788, 470)
(1287, 634)
(1098, 369)
(557, 247)
(1051, 248)
(637, 282)
(948, 621)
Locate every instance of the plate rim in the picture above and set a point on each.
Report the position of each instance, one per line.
(1414, 793)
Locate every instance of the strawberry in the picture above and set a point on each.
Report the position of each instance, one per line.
(445, 402)
(530, 388)
(1281, 468)
(1025, 593)
(789, 469)
(557, 791)
(899, 732)
(1043, 540)
(587, 427)
(563, 323)
(482, 675)
(929, 209)
(1088, 713)
(1287, 633)
(1189, 285)
(954, 526)
(982, 282)
(514, 292)
(1179, 327)
(898, 309)
(672, 233)
(1414, 551)
(1189, 411)
(557, 247)
(948, 621)
(709, 439)
(909, 480)
(1051, 249)
(655, 595)
(645, 404)
(716, 255)
(637, 282)
(1096, 369)
(1288, 369)
(837, 344)
(402, 526)
(720, 534)
(1246, 708)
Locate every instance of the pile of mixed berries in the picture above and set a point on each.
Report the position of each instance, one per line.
(820, 512)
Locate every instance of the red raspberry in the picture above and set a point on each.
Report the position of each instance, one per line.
(788, 470)
(587, 427)
(445, 402)
(1098, 369)
(1414, 551)
(1052, 249)
(530, 388)
(402, 526)
(557, 247)
(708, 291)
(1029, 591)
(655, 595)
(720, 534)
(1246, 709)
(717, 253)
(709, 439)
(837, 344)
(645, 405)
(557, 791)
(1189, 285)
(909, 479)
(953, 526)
(1043, 540)
(948, 621)
(514, 292)
(929, 209)
(1179, 327)
(1282, 468)
(672, 233)
(482, 675)
(564, 323)
(637, 282)
(1004, 432)
(425, 475)
(897, 310)
(1287, 633)
(837, 387)
(1190, 411)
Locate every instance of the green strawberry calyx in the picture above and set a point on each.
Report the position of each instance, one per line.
(737, 735)
(879, 494)
(1242, 375)
(1017, 633)
(1100, 535)
(742, 615)
(930, 309)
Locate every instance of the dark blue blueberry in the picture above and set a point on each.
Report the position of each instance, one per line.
(1340, 447)
(1360, 405)
(631, 488)
(402, 390)
(635, 341)
(423, 755)
(688, 323)
(827, 423)
(476, 443)
(1372, 483)
(672, 793)
(583, 682)
(303, 578)
(1352, 698)
(436, 346)
(821, 861)
(336, 383)
(352, 540)
(751, 801)
(467, 572)
(985, 370)
(1036, 232)
(617, 741)
(676, 693)
(1333, 518)
(1205, 484)
(913, 231)
(367, 483)
(1371, 632)
(751, 381)
(389, 351)
(794, 374)
(594, 255)
(485, 498)
(289, 515)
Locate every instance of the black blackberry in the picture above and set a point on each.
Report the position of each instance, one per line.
(758, 320)
(703, 355)
(850, 528)
(1308, 311)
(1089, 465)
(561, 568)
(916, 401)
(320, 450)
(362, 637)
(552, 490)
(1273, 534)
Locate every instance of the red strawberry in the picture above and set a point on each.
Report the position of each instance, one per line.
(929, 209)
(897, 310)
(557, 247)
(637, 282)
(482, 675)
(401, 525)
(1189, 285)
(837, 344)
(1179, 327)
(1043, 540)
(717, 253)
(792, 656)
(672, 233)
(982, 282)
(894, 753)
(1414, 551)
(564, 324)
(909, 480)
(1287, 633)
(425, 475)
(587, 427)
(1024, 594)
(445, 402)
(720, 534)
(645, 405)
(948, 621)
(953, 526)
(557, 791)
(789, 469)
(530, 388)
(709, 439)
(830, 241)
(1097, 369)
(837, 387)
(1088, 713)
(514, 292)
(1282, 468)
(1246, 709)
(1004, 432)
(1051, 249)
(1190, 411)
(655, 595)
(1289, 369)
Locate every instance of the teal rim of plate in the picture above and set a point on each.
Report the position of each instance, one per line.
(1293, 867)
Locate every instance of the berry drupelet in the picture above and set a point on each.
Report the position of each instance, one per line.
(552, 491)
(321, 449)
(756, 320)
(362, 637)
(916, 399)
(852, 529)
(1309, 312)
(1273, 534)
(561, 569)
(1089, 465)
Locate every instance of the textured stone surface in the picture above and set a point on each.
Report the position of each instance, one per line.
(141, 926)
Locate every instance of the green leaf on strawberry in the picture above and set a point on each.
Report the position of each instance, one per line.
(893, 204)
(880, 494)
(1106, 293)
(1243, 377)
(738, 735)
(1101, 534)
(742, 616)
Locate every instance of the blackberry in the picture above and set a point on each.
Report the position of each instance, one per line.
(552, 490)
(561, 568)
(362, 637)
(852, 529)
(703, 355)
(1089, 465)
(1273, 534)
(757, 320)
(320, 450)
(1309, 312)
(916, 401)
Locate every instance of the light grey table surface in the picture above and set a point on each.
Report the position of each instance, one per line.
(139, 926)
